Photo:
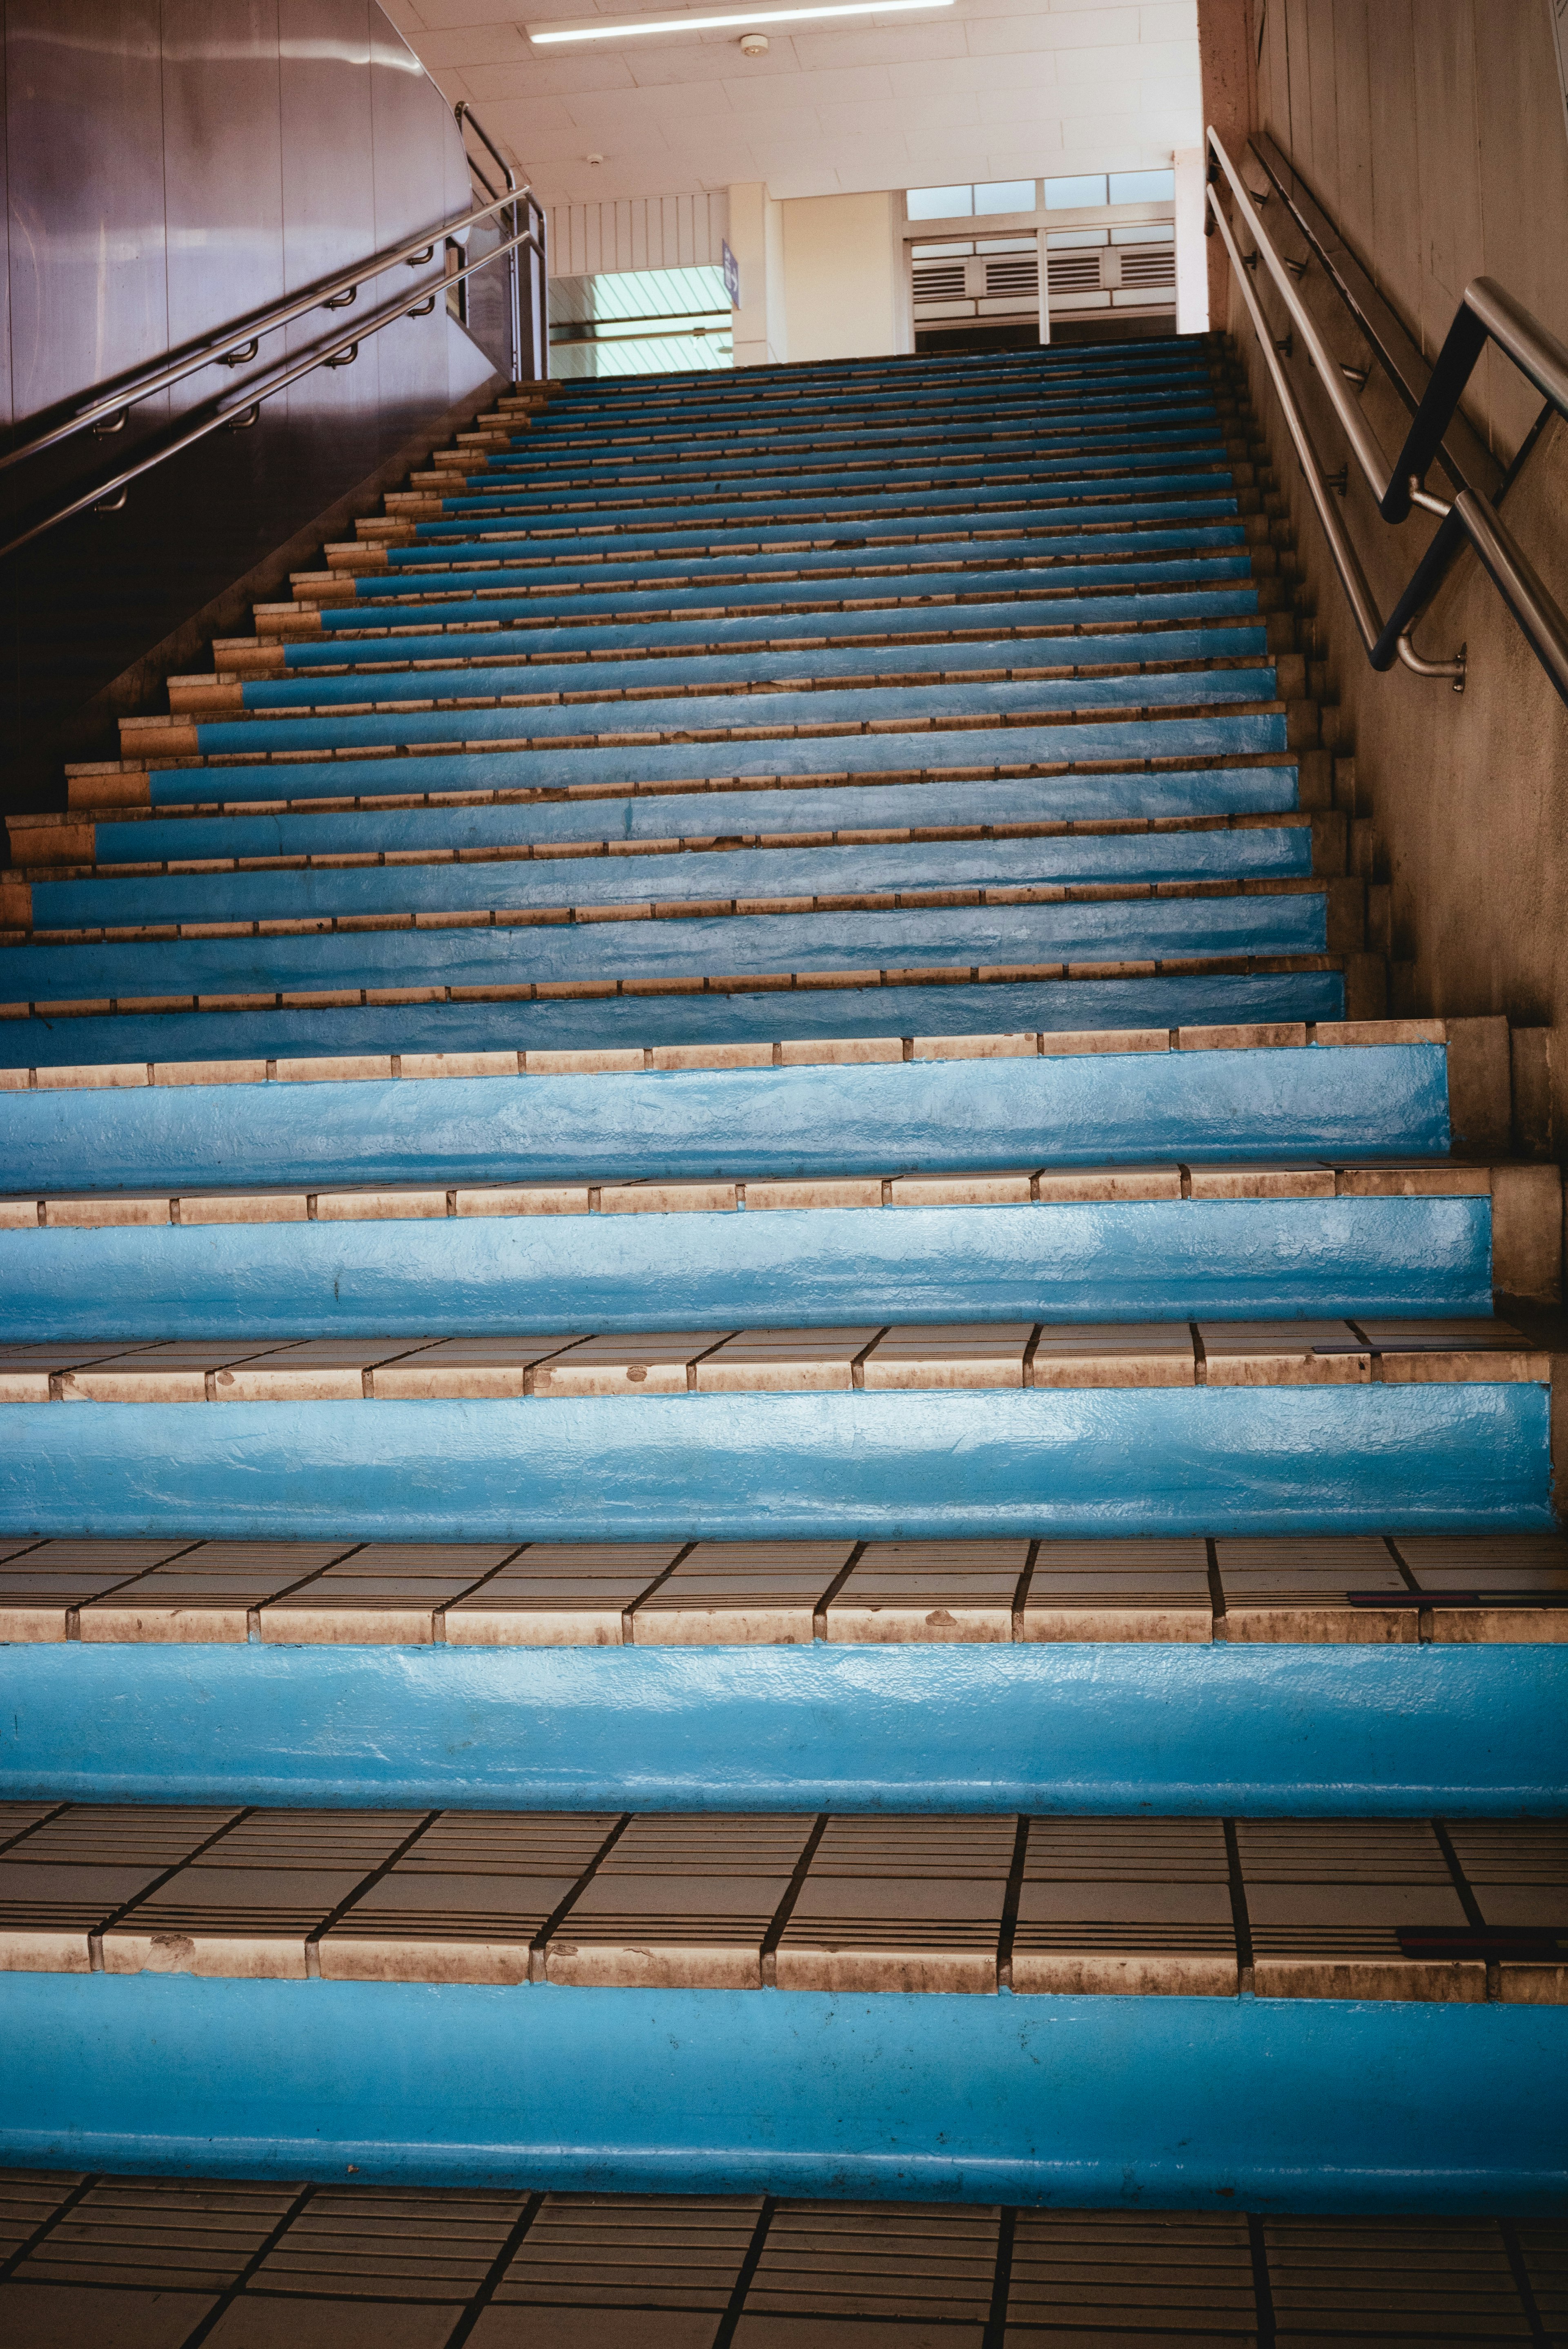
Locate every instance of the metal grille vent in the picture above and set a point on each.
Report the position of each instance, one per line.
(938, 281)
(1074, 273)
(1152, 264)
(1018, 274)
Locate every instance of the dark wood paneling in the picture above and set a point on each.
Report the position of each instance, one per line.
(174, 164)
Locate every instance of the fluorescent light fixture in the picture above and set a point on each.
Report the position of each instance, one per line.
(547, 33)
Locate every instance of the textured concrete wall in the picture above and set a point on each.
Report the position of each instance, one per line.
(1432, 132)
(840, 268)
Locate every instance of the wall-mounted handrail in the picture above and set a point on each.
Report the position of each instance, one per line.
(463, 113)
(1487, 313)
(240, 411)
(1486, 310)
(240, 343)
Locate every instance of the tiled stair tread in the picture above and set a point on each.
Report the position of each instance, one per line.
(794, 1360)
(645, 2272)
(441, 897)
(1023, 1045)
(1031, 1185)
(1274, 1587)
(1306, 1907)
(1226, 645)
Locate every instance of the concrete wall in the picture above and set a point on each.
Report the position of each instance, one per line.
(756, 240)
(840, 271)
(821, 277)
(1432, 131)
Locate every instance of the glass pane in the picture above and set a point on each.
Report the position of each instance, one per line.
(1005, 196)
(940, 203)
(1156, 233)
(1141, 188)
(1075, 195)
(939, 252)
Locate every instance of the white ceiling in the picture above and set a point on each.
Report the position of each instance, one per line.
(989, 89)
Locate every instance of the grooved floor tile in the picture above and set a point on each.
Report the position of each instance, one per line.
(1119, 1590)
(622, 2272)
(1307, 1180)
(1124, 1354)
(477, 1367)
(1283, 1353)
(1341, 1909)
(468, 1899)
(208, 1593)
(1486, 1587)
(654, 1363)
(1544, 2251)
(953, 1354)
(680, 1902)
(249, 1904)
(72, 1874)
(939, 1590)
(1301, 1587)
(1424, 2281)
(560, 1595)
(1517, 1871)
(785, 1361)
(1423, 1353)
(1136, 2279)
(139, 2263)
(899, 1903)
(383, 1590)
(742, 1593)
(27, 2198)
(1140, 1906)
(424, 2244)
(850, 2275)
(40, 1580)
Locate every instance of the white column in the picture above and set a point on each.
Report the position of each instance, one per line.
(1191, 246)
(757, 241)
(1044, 286)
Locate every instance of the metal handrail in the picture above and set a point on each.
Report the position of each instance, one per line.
(241, 411)
(239, 343)
(463, 112)
(1486, 311)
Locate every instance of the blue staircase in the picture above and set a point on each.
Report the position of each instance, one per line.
(756, 1441)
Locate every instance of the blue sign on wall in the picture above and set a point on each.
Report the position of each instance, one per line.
(731, 277)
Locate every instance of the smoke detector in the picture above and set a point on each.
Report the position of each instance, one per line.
(754, 45)
(593, 158)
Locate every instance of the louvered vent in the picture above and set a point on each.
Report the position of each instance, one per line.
(1145, 264)
(938, 281)
(1017, 275)
(1075, 273)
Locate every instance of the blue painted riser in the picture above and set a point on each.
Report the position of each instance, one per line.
(1168, 1729)
(935, 482)
(1104, 930)
(1172, 2102)
(852, 533)
(845, 807)
(1217, 1259)
(459, 601)
(1218, 735)
(1110, 1461)
(339, 644)
(714, 670)
(1088, 1109)
(642, 1021)
(780, 712)
(692, 876)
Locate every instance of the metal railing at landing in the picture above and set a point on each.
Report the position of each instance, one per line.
(1439, 432)
(107, 410)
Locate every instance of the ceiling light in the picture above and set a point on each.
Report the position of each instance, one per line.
(542, 35)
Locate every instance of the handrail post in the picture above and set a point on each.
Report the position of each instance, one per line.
(463, 112)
